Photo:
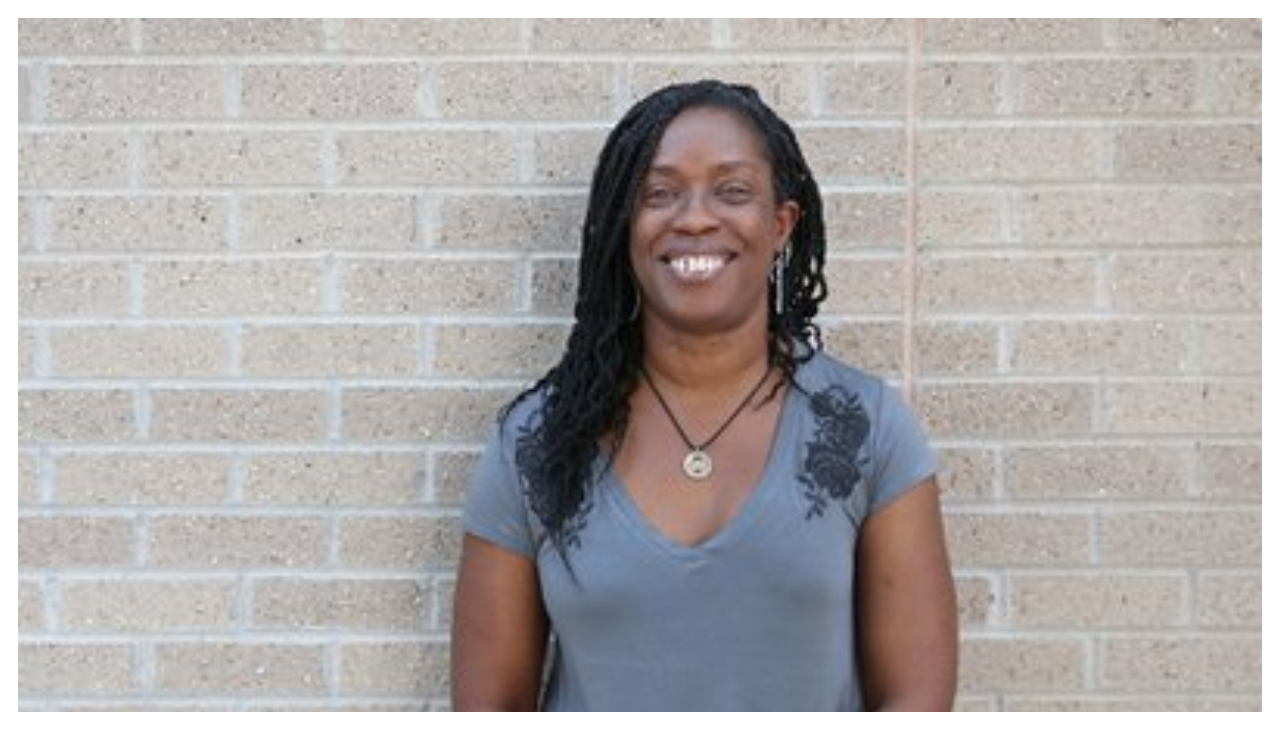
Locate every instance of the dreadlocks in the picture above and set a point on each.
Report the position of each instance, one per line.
(585, 396)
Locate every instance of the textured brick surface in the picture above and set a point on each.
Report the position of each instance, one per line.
(276, 277)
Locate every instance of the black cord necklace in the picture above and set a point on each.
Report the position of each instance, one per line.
(697, 463)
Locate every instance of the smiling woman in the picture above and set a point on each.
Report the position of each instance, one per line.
(704, 509)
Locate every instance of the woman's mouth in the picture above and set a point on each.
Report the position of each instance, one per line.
(696, 267)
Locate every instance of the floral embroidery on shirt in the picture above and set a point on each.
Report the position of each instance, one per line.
(831, 467)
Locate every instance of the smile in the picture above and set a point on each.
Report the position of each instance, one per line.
(697, 267)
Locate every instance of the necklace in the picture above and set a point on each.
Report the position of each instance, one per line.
(697, 463)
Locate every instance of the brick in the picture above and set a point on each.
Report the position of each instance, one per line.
(864, 89)
(976, 601)
(31, 618)
(1010, 154)
(75, 416)
(1105, 88)
(52, 160)
(1233, 216)
(540, 223)
(328, 222)
(1165, 538)
(521, 351)
(336, 350)
(1231, 347)
(834, 33)
(567, 156)
(553, 285)
(451, 475)
(1209, 407)
(431, 35)
(1230, 471)
(232, 36)
(404, 669)
(141, 479)
(1228, 600)
(988, 35)
(783, 86)
(1098, 471)
(457, 286)
(331, 91)
(147, 605)
(73, 36)
(1003, 410)
(1097, 602)
(222, 669)
(1018, 539)
(1127, 347)
(1208, 282)
(1235, 86)
(1021, 665)
(198, 157)
(400, 543)
(854, 155)
(862, 286)
(1114, 217)
(213, 288)
(429, 157)
(872, 345)
(178, 223)
(225, 541)
(1018, 284)
(30, 490)
(1178, 153)
(29, 357)
(959, 89)
(24, 94)
(383, 479)
(350, 605)
(132, 351)
(967, 473)
(415, 415)
(864, 221)
(1181, 664)
(1189, 33)
(229, 416)
(77, 670)
(74, 542)
(1096, 703)
(445, 588)
(52, 289)
(957, 349)
(946, 218)
(646, 35)
(136, 93)
(534, 90)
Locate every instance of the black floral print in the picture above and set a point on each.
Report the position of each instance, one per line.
(832, 469)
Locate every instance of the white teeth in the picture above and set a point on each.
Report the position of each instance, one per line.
(697, 267)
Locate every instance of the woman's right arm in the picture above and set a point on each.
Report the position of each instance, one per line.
(499, 630)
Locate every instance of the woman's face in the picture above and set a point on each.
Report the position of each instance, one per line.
(707, 225)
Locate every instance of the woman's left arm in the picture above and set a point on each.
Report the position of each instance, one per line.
(906, 606)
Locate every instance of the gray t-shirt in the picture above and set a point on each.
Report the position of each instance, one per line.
(757, 617)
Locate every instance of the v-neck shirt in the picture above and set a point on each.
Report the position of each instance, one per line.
(760, 614)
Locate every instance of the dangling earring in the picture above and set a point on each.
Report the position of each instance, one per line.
(779, 281)
(635, 308)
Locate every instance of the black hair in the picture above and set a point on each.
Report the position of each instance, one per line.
(585, 396)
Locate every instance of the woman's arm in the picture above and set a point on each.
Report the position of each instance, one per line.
(907, 606)
(499, 630)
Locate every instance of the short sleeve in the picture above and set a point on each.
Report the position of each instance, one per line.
(901, 454)
(495, 508)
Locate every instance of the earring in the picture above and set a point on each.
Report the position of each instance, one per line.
(779, 280)
(635, 308)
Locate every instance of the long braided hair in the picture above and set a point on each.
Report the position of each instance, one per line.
(584, 397)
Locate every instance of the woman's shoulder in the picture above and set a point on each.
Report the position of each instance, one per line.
(824, 370)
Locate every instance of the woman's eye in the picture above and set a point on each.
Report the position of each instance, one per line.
(659, 196)
(736, 193)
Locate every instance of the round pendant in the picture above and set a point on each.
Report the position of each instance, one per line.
(698, 465)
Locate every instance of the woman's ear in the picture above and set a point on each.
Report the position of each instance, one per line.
(785, 218)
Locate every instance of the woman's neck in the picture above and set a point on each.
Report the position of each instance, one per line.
(705, 362)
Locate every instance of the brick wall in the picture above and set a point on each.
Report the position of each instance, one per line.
(276, 276)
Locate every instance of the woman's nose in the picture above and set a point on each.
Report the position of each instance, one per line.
(695, 214)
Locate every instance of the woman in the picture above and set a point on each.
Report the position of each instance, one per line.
(702, 509)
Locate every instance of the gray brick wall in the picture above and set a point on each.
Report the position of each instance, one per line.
(276, 275)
